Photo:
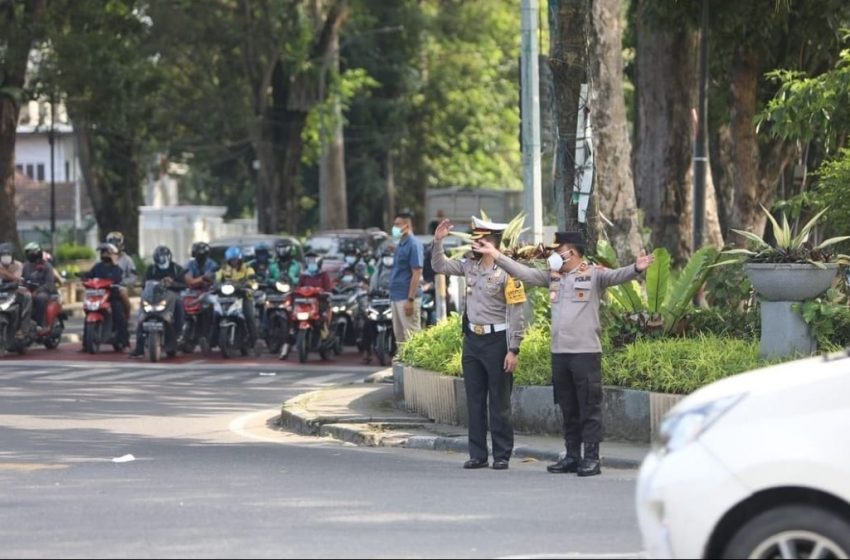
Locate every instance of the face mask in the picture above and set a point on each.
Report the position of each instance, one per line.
(164, 264)
(312, 268)
(556, 261)
(6, 260)
(106, 259)
(388, 261)
(33, 257)
(348, 278)
(396, 232)
(349, 259)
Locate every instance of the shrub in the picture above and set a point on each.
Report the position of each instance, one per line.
(437, 348)
(73, 252)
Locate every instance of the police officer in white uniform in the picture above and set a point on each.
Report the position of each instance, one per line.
(575, 290)
(493, 327)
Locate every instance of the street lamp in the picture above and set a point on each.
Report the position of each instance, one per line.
(700, 153)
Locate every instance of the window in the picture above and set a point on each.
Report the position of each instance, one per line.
(30, 171)
(40, 172)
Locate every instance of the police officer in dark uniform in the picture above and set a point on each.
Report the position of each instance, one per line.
(575, 290)
(493, 327)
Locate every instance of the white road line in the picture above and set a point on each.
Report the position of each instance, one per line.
(238, 426)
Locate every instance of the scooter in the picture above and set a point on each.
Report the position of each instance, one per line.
(197, 320)
(99, 327)
(276, 316)
(379, 318)
(50, 333)
(343, 308)
(158, 303)
(308, 337)
(10, 318)
(428, 312)
(232, 328)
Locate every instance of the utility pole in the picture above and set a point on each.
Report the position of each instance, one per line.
(52, 139)
(531, 172)
(700, 153)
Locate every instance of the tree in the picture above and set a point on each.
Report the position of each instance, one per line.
(20, 26)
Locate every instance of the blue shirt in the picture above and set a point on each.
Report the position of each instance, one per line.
(408, 255)
(209, 266)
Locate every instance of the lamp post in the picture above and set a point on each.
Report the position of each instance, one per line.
(700, 153)
(51, 136)
(530, 99)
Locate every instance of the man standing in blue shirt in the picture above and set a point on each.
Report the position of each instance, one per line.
(405, 292)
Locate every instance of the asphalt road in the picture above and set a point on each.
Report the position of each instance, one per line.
(211, 478)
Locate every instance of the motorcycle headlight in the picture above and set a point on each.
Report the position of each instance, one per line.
(6, 304)
(302, 316)
(336, 309)
(389, 313)
(282, 287)
(228, 289)
(683, 428)
(147, 307)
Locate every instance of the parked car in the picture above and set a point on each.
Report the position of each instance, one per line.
(329, 245)
(754, 466)
(248, 242)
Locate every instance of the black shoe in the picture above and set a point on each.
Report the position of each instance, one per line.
(476, 464)
(500, 465)
(570, 462)
(590, 465)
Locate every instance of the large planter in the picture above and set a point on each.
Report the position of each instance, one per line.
(790, 282)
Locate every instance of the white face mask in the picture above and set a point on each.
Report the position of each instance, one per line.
(388, 261)
(6, 260)
(556, 261)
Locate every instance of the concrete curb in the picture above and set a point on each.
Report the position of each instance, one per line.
(368, 431)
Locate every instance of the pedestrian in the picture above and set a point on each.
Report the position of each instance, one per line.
(493, 325)
(405, 292)
(575, 289)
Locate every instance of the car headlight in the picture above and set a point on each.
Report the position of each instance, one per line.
(282, 287)
(302, 316)
(228, 289)
(685, 427)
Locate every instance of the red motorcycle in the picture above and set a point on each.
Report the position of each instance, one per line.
(310, 321)
(197, 320)
(99, 325)
(50, 333)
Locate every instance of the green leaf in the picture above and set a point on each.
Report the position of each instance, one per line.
(833, 241)
(628, 296)
(606, 255)
(687, 285)
(752, 237)
(804, 233)
(657, 280)
(778, 232)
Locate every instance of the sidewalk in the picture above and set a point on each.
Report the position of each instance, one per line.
(365, 414)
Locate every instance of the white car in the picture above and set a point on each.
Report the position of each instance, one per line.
(754, 466)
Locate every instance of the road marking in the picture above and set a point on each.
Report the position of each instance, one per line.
(238, 426)
(29, 467)
(570, 555)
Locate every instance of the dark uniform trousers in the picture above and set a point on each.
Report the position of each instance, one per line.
(577, 380)
(484, 376)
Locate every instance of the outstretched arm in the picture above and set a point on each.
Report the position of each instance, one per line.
(531, 276)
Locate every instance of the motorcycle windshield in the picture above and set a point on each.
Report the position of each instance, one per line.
(153, 291)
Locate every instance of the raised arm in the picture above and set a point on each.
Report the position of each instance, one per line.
(439, 262)
(606, 277)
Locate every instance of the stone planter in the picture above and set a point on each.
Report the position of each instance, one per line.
(780, 286)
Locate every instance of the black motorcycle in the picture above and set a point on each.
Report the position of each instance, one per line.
(344, 309)
(428, 310)
(379, 322)
(275, 319)
(10, 319)
(233, 334)
(159, 304)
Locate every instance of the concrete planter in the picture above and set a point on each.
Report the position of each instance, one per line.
(628, 415)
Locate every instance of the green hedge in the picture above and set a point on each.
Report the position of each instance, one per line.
(72, 252)
(670, 365)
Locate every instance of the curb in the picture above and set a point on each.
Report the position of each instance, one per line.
(393, 432)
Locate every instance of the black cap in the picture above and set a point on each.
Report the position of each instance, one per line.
(567, 238)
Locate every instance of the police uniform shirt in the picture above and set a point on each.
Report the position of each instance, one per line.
(575, 298)
(485, 303)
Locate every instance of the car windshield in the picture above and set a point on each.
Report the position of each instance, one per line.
(324, 245)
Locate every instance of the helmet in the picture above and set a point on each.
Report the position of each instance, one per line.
(233, 253)
(262, 252)
(6, 249)
(107, 247)
(117, 239)
(33, 251)
(200, 250)
(162, 257)
(248, 253)
(283, 250)
(350, 248)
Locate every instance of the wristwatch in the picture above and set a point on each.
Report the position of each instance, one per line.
(514, 351)
(410, 299)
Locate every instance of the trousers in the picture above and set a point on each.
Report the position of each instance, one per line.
(488, 388)
(577, 383)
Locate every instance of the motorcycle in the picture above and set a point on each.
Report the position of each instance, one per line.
(10, 318)
(158, 302)
(308, 337)
(276, 316)
(233, 332)
(379, 317)
(343, 308)
(428, 310)
(197, 320)
(50, 334)
(99, 326)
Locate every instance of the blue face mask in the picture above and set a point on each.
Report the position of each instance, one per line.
(349, 259)
(396, 232)
(347, 279)
(312, 268)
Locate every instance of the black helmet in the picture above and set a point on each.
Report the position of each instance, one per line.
(33, 251)
(200, 250)
(350, 248)
(284, 250)
(162, 257)
(117, 239)
(262, 252)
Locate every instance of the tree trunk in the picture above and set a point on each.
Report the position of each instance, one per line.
(612, 147)
(20, 33)
(568, 43)
(665, 93)
(333, 199)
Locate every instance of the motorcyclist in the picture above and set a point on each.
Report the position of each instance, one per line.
(12, 270)
(266, 268)
(201, 269)
(314, 276)
(164, 270)
(378, 284)
(41, 280)
(234, 270)
(108, 268)
(128, 268)
(289, 266)
(354, 271)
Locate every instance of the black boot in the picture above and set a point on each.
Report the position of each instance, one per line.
(570, 462)
(590, 465)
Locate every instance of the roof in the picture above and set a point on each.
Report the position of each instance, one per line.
(32, 199)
